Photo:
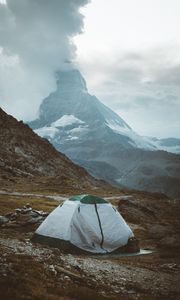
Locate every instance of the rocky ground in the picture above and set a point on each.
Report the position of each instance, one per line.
(33, 271)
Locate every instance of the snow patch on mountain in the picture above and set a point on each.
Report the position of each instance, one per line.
(140, 142)
(66, 120)
(72, 138)
(165, 145)
(135, 139)
(175, 149)
(59, 125)
(79, 129)
(115, 126)
(47, 131)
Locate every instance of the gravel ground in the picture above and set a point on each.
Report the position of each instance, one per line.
(128, 277)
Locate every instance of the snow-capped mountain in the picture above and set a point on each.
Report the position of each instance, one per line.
(71, 113)
(171, 145)
(95, 137)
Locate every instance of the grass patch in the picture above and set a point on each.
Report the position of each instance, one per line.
(8, 203)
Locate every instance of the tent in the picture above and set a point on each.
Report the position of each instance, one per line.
(84, 222)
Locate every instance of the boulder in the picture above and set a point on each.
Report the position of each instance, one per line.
(3, 220)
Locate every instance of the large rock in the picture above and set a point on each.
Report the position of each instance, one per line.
(3, 220)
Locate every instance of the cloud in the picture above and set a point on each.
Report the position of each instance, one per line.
(143, 87)
(35, 41)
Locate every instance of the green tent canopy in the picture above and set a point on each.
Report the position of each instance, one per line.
(88, 199)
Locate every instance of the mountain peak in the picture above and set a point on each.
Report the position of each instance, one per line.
(71, 97)
(70, 79)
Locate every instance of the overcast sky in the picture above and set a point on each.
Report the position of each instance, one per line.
(130, 56)
(129, 53)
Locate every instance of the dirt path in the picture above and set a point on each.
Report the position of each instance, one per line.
(29, 195)
(58, 197)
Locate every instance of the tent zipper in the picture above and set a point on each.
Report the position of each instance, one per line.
(100, 226)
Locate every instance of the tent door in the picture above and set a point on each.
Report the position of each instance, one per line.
(86, 229)
(100, 226)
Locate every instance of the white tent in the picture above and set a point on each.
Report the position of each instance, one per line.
(87, 222)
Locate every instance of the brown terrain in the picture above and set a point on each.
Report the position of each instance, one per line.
(25, 157)
(32, 171)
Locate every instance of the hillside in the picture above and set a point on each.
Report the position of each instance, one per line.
(25, 157)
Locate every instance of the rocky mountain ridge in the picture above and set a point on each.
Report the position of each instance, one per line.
(95, 137)
(24, 155)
